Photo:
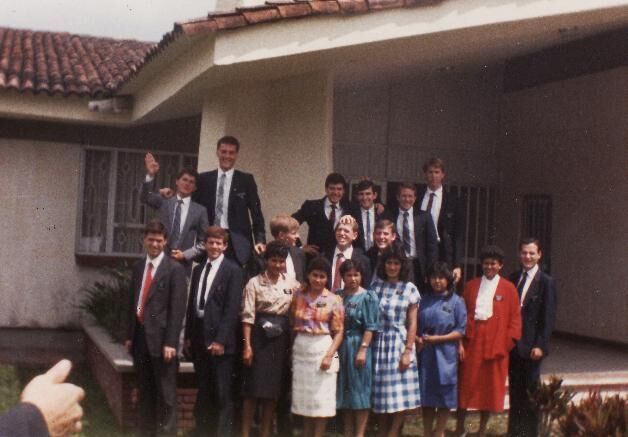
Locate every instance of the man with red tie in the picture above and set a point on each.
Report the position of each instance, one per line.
(158, 302)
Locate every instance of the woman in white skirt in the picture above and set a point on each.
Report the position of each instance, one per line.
(317, 320)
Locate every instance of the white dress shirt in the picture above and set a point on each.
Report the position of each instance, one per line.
(484, 301)
(339, 211)
(437, 203)
(526, 287)
(185, 207)
(224, 219)
(155, 262)
(290, 272)
(210, 279)
(347, 253)
(412, 253)
(368, 232)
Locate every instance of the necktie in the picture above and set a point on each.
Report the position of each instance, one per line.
(369, 234)
(147, 281)
(220, 199)
(332, 215)
(407, 242)
(201, 304)
(337, 279)
(176, 225)
(522, 284)
(430, 202)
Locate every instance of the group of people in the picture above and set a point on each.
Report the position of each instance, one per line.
(362, 318)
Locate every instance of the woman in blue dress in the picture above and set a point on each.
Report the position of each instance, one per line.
(442, 321)
(396, 378)
(353, 394)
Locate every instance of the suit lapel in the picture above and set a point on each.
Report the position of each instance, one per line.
(217, 280)
(236, 181)
(159, 274)
(192, 214)
(533, 287)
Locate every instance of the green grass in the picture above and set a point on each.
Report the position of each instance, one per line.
(99, 422)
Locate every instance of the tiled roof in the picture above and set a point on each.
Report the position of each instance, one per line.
(66, 64)
(277, 10)
(90, 66)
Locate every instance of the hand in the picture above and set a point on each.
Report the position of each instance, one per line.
(346, 220)
(360, 358)
(152, 166)
(404, 363)
(169, 353)
(326, 363)
(311, 250)
(57, 401)
(259, 248)
(187, 348)
(216, 349)
(457, 272)
(177, 255)
(419, 344)
(128, 345)
(461, 352)
(247, 356)
(166, 193)
(428, 339)
(379, 208)
(536, 353)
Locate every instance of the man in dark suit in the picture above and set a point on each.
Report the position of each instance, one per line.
(447, 213)
(322, 215)
(537, 293)
(346, 233)
(210, 333)
(232, 202)
(286, 230)
(366, 214)
(185, 220)
(157, 308)
(416, 233)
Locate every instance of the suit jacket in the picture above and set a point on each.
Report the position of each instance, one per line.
(165, 305)
(321, 230)
(192, 237)
(425, 239)
(243, 200)
(357, 256)
(298, 259)
(503, 329)
(537, 313)
(23, 420)
(222, 307)
(356, 212)
(451, 225)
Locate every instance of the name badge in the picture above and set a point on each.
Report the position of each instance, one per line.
(499, 297)
(321, 304)
(446, 309)
(399, 292)
(352, 305)
(285, 291)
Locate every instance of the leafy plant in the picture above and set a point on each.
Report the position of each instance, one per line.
(552, 402)
(107, 300)
(596, 416)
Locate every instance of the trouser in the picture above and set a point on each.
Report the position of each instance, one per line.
(157, 384)
(523, 379)
(213, 410)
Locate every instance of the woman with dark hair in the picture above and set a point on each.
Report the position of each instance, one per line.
(493, 328)
(353, 395)
(442, 320)
(266, 329)
(396, 378)
(317, 320)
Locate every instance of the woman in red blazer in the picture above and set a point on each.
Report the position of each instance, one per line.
(493, 328)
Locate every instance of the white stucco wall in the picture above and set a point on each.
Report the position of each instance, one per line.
(284, 128)
(569, 139)
(39, 280)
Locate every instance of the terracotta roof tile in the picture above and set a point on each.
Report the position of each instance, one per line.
(67, 64)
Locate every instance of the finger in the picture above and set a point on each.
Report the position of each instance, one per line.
(78, 427)
(59, 372)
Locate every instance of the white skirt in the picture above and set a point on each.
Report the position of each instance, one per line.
(313, 390)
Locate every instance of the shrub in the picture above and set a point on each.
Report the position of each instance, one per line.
(552, 402)
(595, 416)
(108, 300)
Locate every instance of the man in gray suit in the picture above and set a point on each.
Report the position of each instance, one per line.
(186, 221)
